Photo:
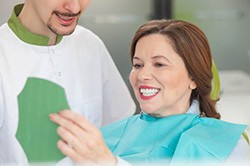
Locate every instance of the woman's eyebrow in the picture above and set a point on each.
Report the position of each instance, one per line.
(160, 57)
(135, 57)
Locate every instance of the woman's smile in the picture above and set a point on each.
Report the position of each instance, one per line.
(148, 92)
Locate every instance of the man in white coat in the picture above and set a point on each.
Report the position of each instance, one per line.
(42, 40)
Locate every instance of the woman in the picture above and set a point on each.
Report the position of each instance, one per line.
(171, 78)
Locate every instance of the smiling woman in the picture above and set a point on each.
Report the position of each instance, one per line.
(156, 66)
(172, 81)
(188, 45)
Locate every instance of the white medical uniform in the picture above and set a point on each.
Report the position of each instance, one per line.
(80, 63)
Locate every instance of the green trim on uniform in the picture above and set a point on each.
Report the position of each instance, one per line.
(24, 34)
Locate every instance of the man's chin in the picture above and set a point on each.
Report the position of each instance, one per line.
(64, 31)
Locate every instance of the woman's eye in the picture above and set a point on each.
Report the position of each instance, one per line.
(159, 64)
(136, 65)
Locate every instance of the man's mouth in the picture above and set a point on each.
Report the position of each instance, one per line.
(66, 19)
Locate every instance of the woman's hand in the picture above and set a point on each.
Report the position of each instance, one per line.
(81, 140)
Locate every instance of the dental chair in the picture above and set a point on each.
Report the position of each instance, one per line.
(215, 94)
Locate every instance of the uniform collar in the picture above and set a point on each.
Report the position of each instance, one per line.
(24, 34)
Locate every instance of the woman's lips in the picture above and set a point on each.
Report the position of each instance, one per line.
(148, 92)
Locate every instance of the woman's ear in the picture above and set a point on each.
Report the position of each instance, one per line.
(192, 84)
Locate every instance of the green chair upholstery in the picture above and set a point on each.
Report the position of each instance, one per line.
(246, 137)
(215, 93)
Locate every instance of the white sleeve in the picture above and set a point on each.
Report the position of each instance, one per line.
(240, 154)
(118, 102)
(1, 104)
(68, 162)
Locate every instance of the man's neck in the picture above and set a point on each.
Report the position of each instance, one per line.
(52, 40)
(27, 18)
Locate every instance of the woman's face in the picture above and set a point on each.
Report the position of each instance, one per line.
(159, 78)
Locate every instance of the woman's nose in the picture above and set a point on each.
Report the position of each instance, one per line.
(145, 74)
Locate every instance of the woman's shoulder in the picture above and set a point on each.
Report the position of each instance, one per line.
(215, 125)
(216, 130)
(210, 137)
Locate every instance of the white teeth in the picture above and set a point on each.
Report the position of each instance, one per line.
(149, 92)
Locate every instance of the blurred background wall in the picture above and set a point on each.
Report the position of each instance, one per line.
(225, 22)
(6, 9)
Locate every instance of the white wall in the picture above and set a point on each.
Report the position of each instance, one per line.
(234, 104)
(226, 24)
(6, 7)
